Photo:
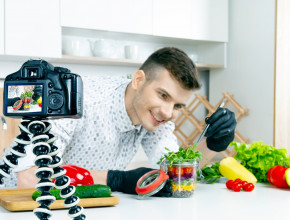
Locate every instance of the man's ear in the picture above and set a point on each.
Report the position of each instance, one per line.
(138, 79)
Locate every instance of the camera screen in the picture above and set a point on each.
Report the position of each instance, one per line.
(24, 98)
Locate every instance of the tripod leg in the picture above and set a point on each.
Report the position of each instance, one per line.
(41, 150)
(62, 182)
(18, 151)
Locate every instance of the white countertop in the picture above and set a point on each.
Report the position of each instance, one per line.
(210, 201)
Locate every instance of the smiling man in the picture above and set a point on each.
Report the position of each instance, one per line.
(120, 115)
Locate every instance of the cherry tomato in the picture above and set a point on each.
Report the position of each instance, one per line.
(178, 171)
(237, 187)
(238, 180)
(187, 170)
(244, 183)
(249, 187)
(229, 184)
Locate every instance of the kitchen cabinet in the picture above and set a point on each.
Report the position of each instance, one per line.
(1, 26)
(171, 18)
(7, 136)
(112, 15)
(192, 19)
(210, 20)
(32, 28)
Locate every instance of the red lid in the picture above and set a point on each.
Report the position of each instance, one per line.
(17, 104)
(151, 182)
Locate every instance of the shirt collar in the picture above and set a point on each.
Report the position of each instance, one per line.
(121, 118)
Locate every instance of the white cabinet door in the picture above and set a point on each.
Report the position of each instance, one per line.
(210, 20)
(193, 19)
(132, 16)
(32, 28)
(171, 18)
(112, 15)
(1, 26)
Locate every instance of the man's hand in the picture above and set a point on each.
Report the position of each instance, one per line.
(221, 131)
(26, 178)
(126, 181)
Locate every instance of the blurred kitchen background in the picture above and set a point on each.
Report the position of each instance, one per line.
(240, 47)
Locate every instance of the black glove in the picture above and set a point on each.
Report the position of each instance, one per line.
(221, 131)
(126, 181)
(37, 92)
(12, 101)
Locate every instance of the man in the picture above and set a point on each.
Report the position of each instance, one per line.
(121, 115)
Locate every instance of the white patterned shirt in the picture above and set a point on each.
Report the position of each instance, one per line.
(105, 138)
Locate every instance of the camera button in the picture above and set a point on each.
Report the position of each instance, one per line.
(50, 85)
(49, 111)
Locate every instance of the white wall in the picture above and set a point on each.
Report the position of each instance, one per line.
(250, 72)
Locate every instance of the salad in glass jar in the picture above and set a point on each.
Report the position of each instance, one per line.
(182, 168)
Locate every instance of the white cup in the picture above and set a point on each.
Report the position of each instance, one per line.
(76, 47)
(131, 52)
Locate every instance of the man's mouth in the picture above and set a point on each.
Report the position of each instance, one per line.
(156, 119)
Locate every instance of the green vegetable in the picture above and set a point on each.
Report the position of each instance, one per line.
(258, 158)
(86, 191)
(210, 173)
(181, 156)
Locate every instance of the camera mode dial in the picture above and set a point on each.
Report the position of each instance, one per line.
(55, 101)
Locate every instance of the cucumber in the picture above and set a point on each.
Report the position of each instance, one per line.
(86, 191)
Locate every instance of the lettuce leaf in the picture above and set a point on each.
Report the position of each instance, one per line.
(259, 158)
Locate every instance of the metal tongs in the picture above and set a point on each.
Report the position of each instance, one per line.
(207, 126)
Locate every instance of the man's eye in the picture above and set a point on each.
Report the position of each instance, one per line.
(179, 107)
(163, 95)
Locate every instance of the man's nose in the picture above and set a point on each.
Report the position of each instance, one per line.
(168, 111)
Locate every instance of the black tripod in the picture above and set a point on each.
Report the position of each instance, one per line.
(48, 167)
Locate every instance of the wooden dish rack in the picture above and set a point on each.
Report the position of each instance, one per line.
(188, 126)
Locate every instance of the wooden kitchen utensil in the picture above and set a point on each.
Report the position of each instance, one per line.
(21, 200)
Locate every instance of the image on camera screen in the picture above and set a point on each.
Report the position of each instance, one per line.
(24, 98)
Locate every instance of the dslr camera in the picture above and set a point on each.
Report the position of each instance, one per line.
(41, 90)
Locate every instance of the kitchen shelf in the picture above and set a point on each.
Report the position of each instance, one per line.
(115, 62)
(101, 61)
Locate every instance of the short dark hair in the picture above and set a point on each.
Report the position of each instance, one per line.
(177, 63)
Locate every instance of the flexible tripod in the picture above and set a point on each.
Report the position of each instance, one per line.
(48, 164)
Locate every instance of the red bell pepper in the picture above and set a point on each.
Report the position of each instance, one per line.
(79, 176)
(276, 176)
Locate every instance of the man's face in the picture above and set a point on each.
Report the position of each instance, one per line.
(159, 101)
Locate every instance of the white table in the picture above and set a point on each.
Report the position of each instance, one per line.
(210, 201)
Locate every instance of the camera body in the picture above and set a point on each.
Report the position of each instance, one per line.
(41, 90)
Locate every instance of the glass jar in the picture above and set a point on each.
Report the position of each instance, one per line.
(183, 177)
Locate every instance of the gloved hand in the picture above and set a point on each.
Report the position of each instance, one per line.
(221, 131)
(12, 101)
(126, 181)
(37, 92)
